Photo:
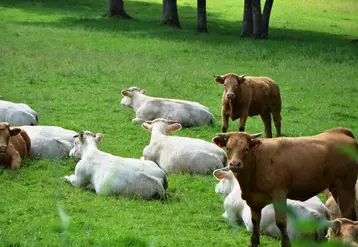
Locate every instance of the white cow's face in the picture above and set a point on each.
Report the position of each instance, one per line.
(76, 151)
(127, 101)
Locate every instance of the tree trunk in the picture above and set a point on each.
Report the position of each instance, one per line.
(247, 21)
(266, 18)
(170, 13)
(257, 17)
(116, 9)
(202, 17)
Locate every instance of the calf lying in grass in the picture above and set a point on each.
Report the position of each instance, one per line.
(17, 114)
(238, 212)
(148, 108)
(180, 154)
(343, 229)
(14, 146)
(112, 175)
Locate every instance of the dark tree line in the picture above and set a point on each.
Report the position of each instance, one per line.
(255, 23)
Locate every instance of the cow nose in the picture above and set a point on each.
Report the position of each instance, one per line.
(3, 148)
(230, 95)
(235, 164)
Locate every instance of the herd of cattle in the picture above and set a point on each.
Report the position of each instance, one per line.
(258, 177)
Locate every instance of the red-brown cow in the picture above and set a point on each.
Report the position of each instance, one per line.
(295, 168)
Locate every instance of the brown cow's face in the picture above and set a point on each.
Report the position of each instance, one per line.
(238, 146)
(231, 84)
(5, 134)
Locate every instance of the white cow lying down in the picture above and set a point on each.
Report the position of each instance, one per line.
(49, 141)
(148, 108)
(181, 154)
(237, 211)
(112, 175)
(17, 114)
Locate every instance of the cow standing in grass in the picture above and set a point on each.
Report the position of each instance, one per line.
(250, 96)
(295, 168)
(14, 146)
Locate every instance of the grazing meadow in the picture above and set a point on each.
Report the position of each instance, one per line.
(70, 65)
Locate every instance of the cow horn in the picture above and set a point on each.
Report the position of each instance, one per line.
(242, 76)
(253, 136)
(149, 122)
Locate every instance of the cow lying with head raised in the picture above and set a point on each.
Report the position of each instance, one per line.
(343, 229)
(238, 212)
(250, 96)
(49, 141)
(17, 114)
(180, 154)
(148, 108)
(14, 146)
(296, 168)
(112, 175)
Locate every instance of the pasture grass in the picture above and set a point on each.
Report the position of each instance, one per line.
(70, 64)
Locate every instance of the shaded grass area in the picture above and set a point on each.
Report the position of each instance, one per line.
(69, 64)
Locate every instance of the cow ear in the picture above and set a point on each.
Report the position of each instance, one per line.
(219, 79)
(126, 93)
(220, 140)
(15, 131)
(143, 91)
(99, 137)
(255, 143)
(147, 126)
(175, 127)
(336, 226)
(220, 174)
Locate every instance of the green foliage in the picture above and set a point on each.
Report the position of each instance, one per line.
(69, 64)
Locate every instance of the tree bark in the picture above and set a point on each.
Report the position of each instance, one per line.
(202, 28)
(247, 21)
(266, 18)
(170, 13)
(257, 17)
(116, 9)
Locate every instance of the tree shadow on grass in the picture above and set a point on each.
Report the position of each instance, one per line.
(86, 14)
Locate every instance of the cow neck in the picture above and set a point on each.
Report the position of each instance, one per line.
(247, 176)
(138, 99)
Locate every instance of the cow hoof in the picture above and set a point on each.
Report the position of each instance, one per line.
(254, 245)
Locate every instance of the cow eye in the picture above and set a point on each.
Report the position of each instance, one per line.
(227, 149)
(246, 150)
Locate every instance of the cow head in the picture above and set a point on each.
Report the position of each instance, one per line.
(128, 95)
(231, 84)
(238, 146)
(225, 185)
(164, 126)
(5, 134)
(83, 140)
(344, 229)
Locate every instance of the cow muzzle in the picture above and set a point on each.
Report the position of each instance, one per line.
(230, 95)
(3, 149)
(235, 164)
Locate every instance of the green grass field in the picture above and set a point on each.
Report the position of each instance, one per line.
(70, 64)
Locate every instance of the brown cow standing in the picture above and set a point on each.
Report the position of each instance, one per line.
(250, 96)
(14, 146)
(344, 229)
(295, 168)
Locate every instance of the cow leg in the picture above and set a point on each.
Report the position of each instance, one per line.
(280, 206)
(76, 181)
(277, 120)
(266, 118)
(243, 119)
(346, 202)
(224, 121)
(137, 121)
(255, 219)
(15, 161)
